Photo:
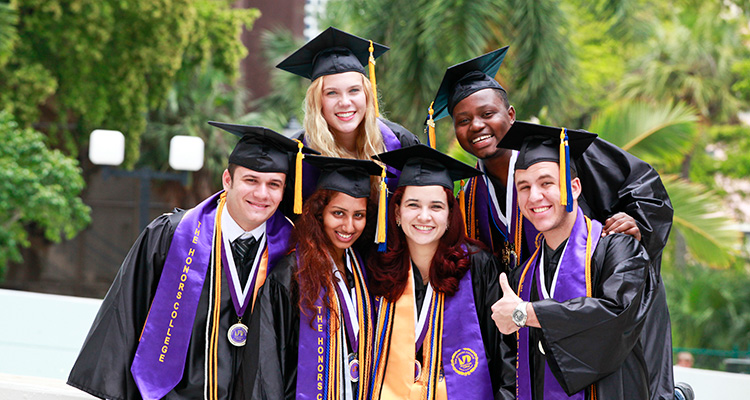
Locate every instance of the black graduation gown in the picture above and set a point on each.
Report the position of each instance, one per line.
(270, 363)
(103, 365)
(597, 339)
(612, 181)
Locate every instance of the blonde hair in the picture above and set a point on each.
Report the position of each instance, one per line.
(319, 137)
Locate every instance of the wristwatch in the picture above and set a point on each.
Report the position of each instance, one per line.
(519, 314)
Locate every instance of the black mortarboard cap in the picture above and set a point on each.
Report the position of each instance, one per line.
(466, 78)
(332, 52)
(345, 175)
(421, 165)
(261, 149)
(536, 143)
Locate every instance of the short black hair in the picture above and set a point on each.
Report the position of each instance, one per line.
(502, 95)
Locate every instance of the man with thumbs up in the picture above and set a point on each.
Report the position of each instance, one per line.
(581, 300)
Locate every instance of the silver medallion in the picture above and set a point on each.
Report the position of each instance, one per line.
(417, 370)
(237, 334)
(353, 367)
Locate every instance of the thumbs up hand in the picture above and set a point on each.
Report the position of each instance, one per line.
(503, 308)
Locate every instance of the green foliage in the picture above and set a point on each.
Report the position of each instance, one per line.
(728, 155)
(8, 36)
(205, 88)
(690, 59)
(659, 134)
(104, 64)
(709, 308)
(38, 187)
(708, 233)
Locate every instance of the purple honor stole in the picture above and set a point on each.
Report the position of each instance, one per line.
(160, 357)
(467, 375)
(574, 278)
(320, 365)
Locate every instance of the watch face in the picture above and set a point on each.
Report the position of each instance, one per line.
(517, 316)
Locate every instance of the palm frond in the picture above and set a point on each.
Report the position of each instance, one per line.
(658, 134)
(710, 236)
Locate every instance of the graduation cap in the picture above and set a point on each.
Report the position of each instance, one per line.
(332, 52)
(421, 165)
(537, 143)
(346, 175)
(263, 150)
(464, 79)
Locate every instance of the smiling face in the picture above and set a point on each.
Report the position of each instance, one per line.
(344, 220)
(344, 103)
(539, 200)
(423, 213)
(480, 121)
(252, 197)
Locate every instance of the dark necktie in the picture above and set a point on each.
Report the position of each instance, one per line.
(244, 251)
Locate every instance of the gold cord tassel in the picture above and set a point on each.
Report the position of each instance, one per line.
(462, 201)
(298, 179)
(373, 81)
(431, 127)
(382, 208)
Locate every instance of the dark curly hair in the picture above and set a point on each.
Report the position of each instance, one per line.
(313, 248)
(388, 272)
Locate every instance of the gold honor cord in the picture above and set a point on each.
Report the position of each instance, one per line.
(213, 386)
(364, 316)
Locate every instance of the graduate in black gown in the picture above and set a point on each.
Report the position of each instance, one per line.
(582, 298)
(435, 338)
(341, 105)
(619, 190)
(171, 325)
(313, 317)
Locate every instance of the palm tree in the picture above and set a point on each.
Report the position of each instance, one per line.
(662, 134)
(690, 59)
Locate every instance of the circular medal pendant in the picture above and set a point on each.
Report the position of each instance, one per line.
(417, 370)
(353, 368)
(541, 348)
(237, 334)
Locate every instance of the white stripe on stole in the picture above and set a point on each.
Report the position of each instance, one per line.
(509, 209)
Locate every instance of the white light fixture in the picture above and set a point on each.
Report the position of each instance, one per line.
(106, 147)
(186, 153)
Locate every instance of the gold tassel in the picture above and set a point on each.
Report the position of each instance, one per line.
(381, 208)
(298, 179)
(373, 81)
(563, 169)
(462, 201)
(431, 127)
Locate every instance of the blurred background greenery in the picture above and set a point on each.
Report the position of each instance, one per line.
(668, 81)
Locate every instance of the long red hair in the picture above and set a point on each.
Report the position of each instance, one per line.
(388, 272)
(314, 270)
